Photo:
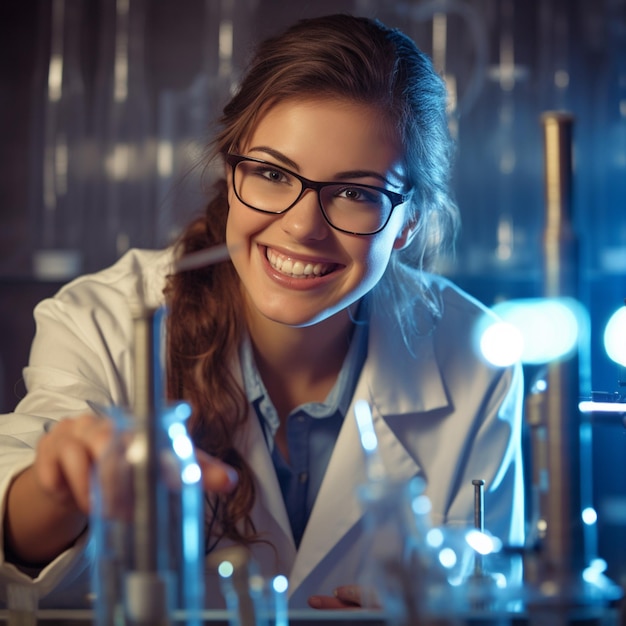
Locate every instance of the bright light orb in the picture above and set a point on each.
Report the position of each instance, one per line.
(589, 516)
(280, 583)
(225, 569)
(615, 337)
(501, 344)
(191, 474)
(183, 447)
(434, 538)
(550, 327)
(448, 558)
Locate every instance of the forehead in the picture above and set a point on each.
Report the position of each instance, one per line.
(326, 134)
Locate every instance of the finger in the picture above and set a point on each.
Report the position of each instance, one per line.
(217, 476)
(358, 595)
(63, 473)
(65, 455)
(75, 466)
(330, 603)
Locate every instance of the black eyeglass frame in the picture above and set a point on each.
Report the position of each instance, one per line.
(396, 198)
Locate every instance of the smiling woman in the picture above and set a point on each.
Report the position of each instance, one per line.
(333, 206)
(332, 141)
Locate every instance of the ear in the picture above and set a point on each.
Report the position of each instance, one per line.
(405, 236)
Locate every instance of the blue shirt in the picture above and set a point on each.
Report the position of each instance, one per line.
(312, 429)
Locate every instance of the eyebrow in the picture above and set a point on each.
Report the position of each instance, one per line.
(279, 156)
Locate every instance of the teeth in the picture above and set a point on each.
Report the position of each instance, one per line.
(296, 268)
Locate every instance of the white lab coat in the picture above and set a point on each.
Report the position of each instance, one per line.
(443, 414)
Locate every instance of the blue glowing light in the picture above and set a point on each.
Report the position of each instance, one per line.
(191, 474)
(280, 583)
(363, 415)
(182, 411)
(501, 344)
(482, 543)
(447, 557)
(594, 573)
(590, 406)
(421, 505)
(183, 447)
(615, 337)
(176, 430)
(549, 329)
(589, 515)
(225, 569)
(500, 580)
(434, 537)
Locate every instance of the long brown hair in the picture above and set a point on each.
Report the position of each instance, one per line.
(338, 56)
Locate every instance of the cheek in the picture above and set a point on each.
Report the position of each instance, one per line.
(243, 222)
(376, 254)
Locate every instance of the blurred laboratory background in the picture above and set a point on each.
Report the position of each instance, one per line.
(106, 107)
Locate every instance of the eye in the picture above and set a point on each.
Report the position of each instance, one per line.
(360, 194)
(272, 174)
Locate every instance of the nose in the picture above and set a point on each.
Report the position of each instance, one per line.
(305, 221)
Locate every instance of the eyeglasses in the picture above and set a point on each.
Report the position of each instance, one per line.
(347, 207)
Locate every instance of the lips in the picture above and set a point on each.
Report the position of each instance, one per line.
(298, 268)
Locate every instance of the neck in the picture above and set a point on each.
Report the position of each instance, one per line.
(299, 365)
(313, 349)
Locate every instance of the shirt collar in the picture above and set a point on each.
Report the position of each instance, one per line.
(339, 398)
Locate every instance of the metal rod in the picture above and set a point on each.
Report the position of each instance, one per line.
(479, 504)
(564, 538)
(479, 519)
(145, 467)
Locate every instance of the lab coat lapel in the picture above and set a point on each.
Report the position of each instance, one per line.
(383, 382)
(269, 513)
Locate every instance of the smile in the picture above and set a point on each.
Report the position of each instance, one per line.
(296, 268)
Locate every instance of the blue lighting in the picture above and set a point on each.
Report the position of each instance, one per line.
(182, 446)
(501, 344)
(225, 569)
(615, 337)
(482, 543)
(176, 430)
(421, 505)
(191, 474)
(182, 411)
(589, 515)
(434, 537)
(548, 329)
(448, 558)
(280, 583)
(590, 406)
(364, 422)
(594, 573)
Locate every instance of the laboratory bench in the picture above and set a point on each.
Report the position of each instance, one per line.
(591, 617)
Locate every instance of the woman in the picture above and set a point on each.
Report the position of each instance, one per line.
(327, 300)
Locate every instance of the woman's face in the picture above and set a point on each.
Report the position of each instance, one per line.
(295, 268)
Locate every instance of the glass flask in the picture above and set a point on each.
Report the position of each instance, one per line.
(423, 574)
(396, 520)
(147, 524)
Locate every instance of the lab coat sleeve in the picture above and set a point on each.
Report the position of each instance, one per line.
(80, 352)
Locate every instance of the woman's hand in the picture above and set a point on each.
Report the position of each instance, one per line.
(48, 504)
(65, 457)
(346, 597)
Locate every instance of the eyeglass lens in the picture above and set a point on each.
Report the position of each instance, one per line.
(347, 206)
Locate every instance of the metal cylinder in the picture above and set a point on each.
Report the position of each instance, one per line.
(563, 546)
(145, 466)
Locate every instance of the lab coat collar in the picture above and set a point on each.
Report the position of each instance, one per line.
(402, 378)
